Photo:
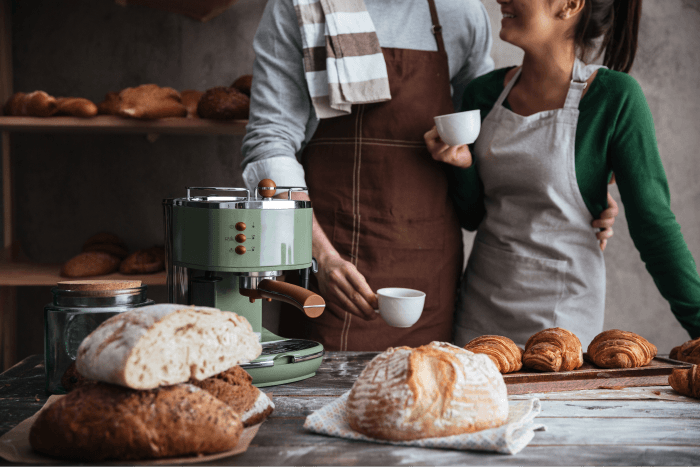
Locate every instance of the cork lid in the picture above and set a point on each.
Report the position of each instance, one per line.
(97, 285)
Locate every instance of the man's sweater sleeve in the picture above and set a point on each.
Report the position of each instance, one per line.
(280, 107)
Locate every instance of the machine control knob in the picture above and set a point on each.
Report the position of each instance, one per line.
(240, 226)
(266, 188)
(240, 249)
(240, 238)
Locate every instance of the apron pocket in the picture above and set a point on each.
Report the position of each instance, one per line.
(510, 294)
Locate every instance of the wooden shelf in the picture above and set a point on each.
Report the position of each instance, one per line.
(113, 124)
(38, 274)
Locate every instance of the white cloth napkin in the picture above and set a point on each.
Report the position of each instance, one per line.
(509, 438)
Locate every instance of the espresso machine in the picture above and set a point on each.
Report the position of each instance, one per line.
(228, 248)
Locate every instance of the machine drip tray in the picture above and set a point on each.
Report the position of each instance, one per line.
(287, 345)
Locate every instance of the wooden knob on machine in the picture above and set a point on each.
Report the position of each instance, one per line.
(266, 188)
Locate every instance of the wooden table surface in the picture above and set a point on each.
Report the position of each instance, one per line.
(632, 426)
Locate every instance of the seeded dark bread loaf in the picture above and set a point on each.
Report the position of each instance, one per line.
(235, 387)
(166, 344)
(223, 103)
(433, 390)
(100, 421)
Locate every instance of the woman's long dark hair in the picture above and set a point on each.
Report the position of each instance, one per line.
(617, 21)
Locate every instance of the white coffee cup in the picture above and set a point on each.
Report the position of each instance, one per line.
(399, 307)
(459, 128)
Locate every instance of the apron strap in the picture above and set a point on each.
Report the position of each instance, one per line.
(507, 89)
(579, 80)
(436, 28)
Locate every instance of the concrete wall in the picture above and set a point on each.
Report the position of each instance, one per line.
(68, 187)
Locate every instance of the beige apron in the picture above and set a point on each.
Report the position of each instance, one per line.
(383, 203)
(536, 262)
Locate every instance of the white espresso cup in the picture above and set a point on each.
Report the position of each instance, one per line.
(399, 307)
(459, 128)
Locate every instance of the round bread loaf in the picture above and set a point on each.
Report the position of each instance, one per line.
(507, 356)
(96, 422)
(90, 263)
(433, 390)
(144, 261)
(165, 344)
(235, 387)
(150, 102)
(223, 103)
(243, 84)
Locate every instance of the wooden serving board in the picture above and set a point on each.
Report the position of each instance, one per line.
(590, 376)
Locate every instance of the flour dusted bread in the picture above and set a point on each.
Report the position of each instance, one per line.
(166, 344)
(150, 101)
(507, 356)
(620, 349)
(553, 349)
(434, 390)
(96, 422)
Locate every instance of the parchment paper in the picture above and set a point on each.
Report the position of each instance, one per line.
(14, 447)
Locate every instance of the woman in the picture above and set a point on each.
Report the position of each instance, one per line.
(554, 130)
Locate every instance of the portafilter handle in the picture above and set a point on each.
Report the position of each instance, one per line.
(308, 302)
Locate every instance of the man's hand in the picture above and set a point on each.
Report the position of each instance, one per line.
(345, 289)
(459, 156)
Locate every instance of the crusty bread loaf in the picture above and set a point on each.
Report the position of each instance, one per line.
(111, 105)
(223, 103)
(76, 107)
(90, 263)
(620, 349)
(687, 352)
(144, 261)
(686, 381)
(150, 101)
(166, 344)
(553, 349)
(96, 422)
(433, 390)
(235, 387)
(243, 84)
(33, 104)
(507, 356)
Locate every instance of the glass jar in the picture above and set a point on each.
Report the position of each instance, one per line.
(72, 316)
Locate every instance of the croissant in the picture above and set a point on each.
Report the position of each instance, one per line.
(620, 349)
(507, 356)
(686, 381)
(687, 352)
(553, 349)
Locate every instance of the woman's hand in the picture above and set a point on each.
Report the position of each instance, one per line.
(459, 156)
(605, 223)
(344, 288)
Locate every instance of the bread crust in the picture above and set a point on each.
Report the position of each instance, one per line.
(689, 352)
(686, 381)
(620, 349)
(190, 99)
(433, 390)
(111, 105)
(100, 421)
(507, 356)
(243, 84)
(553, 349)
(76, 107)
(33, 104)
(144, 261)
(223, 103)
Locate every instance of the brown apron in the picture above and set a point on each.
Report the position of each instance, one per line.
(383, 203)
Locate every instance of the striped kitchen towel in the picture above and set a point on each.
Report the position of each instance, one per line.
(343, 61)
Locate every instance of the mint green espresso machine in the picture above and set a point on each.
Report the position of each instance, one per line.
(227, 250)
